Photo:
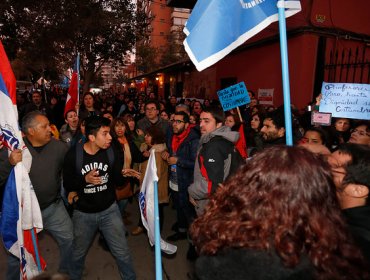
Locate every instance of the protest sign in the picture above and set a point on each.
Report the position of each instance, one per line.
(323, 119)
(234, 96)
(266, 96)
(346, 100)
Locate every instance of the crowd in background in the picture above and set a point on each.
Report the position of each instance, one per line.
(242, 208)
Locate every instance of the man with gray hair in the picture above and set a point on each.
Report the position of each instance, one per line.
(45, 174)
(183, 108)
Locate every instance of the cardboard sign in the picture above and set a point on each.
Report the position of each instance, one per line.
(346, 100)
(266, 96)
(321, 118)
(234, 96)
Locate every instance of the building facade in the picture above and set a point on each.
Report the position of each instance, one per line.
(327, 41)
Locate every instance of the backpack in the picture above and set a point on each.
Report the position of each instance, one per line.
(236, 159)
(80, 154)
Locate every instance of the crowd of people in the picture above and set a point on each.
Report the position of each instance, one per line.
(250, 207)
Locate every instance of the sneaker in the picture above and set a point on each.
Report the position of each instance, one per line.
(177, 236)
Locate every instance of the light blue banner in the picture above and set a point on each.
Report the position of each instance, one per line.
(216, 27)
(234, 96)
(345, 100)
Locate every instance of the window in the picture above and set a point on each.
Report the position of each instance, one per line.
(179, 21)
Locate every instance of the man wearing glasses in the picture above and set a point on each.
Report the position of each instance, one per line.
(182, 147)
(152, 118)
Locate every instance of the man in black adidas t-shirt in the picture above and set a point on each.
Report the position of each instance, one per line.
(91, 188)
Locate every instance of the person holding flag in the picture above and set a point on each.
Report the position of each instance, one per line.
(46, 176)
(21, 215)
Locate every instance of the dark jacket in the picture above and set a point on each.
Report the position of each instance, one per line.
(244, 264)
(5, 166)
(83, 114)
(358, 220)
(5, 169)
(43, 108)
(66, 134)
(145, 123)
(186, 155)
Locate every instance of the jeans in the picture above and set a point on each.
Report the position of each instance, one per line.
(13, 272)
(122, 205)
(109, 222)
(184, 204)
(182, 222)
(56, 221)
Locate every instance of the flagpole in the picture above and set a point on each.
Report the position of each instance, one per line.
(36, 249)
(157, 236)
(285, 72)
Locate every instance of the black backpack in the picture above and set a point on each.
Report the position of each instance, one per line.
(80, 154)
(236, 159)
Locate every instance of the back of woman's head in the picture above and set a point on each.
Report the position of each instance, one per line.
(284, 200)
(158, 136)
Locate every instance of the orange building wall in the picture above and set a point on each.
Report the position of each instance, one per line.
(161, 23)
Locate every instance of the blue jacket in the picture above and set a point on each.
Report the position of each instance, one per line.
(186, 154)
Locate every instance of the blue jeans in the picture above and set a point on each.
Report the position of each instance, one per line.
(182, 222)
(184, 205)
(13, 272)
(58, 223)
(122, 205)
(109, 222)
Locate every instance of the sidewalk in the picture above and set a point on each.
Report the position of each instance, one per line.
(101, 265)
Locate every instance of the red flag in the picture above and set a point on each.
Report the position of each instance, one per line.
(72, 97)
(241, 144)
(7, 74)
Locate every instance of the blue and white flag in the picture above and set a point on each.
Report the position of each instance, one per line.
(146, 202)
(216, 27)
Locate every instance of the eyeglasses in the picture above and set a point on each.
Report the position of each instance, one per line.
(177, 121)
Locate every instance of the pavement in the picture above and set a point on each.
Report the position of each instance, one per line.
(100, 265)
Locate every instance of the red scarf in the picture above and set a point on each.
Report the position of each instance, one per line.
(177, 139)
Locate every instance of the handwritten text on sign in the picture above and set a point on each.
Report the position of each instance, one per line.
(346, 100)
(234, 96)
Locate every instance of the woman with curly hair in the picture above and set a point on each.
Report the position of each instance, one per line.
(277, 218)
